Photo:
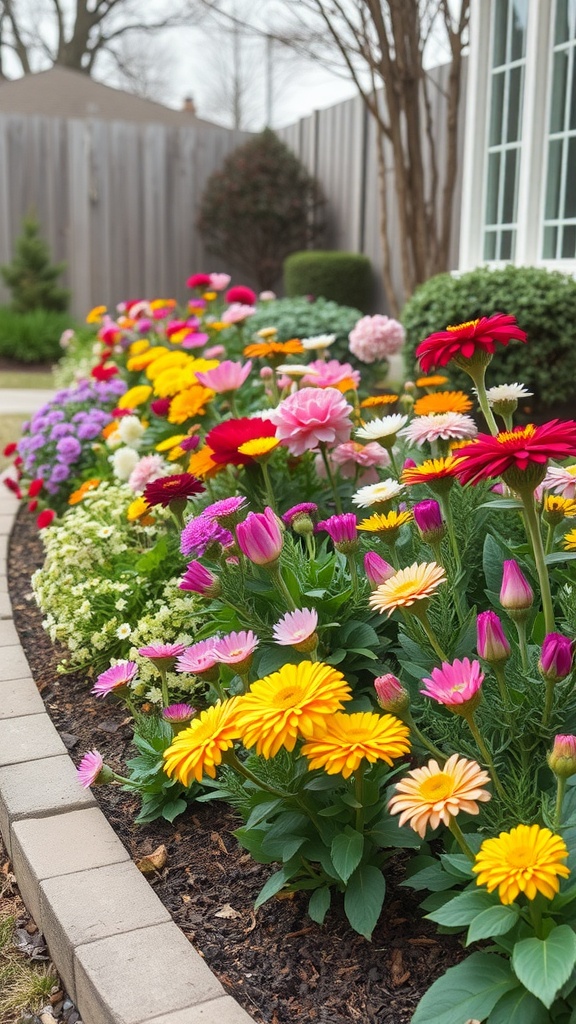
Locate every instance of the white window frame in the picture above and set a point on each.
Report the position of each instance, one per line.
(534, 146)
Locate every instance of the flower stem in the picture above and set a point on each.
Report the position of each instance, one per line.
(521, 631)
(469, 719)
(353, 575)
(478, 376)
(165, 697)
(331, 479)
(268, 486)
(502, 685)
(230, 758)
(435, 751)
(549, 700)
(533, 527)
(447, 510)
(425, 623)
(459, 837)
(359, 794)
(283, 589)
(560, 791)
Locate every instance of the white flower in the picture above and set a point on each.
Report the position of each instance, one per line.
(507, 393)
(318, 342)
(444, 426)
(105, 532)
(373, 494)
(123, 462)
(120, 604)
(124, 631)
(130, 430)
(296, 370)
(384, 427)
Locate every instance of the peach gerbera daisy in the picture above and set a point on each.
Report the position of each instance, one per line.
(431, 794)
(527, 859)
(198, 749)
(415, 583)
(346, 740)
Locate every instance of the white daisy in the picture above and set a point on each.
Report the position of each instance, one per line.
(373, 494)
(319, 341)
(296, 370)
(124, 631)
(507, 393)
(384, 427)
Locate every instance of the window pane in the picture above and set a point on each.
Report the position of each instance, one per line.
(569, 242)
(573, 91)
(509, 203)
(506, 245)
(490, 245)
(570, 196)
(558, 91)
(561, 30)
(552, 211)
(496, 109)
(492, 188)
(519, 18)
(550, 236)
(500, 27)
(515, 87)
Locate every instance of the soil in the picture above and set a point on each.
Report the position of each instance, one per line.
(278, 964)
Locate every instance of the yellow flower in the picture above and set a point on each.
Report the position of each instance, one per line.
(344, 741)
(290, 703)
(136, 509)
(259, 446)
(167, 361)
(416, 583)
(177, 337)
(442, 401)
(430, 795)
(188, 403)
(209, 296)
(431, 471)
(527, 859)
(139, 362)
(96, 315)
(570, 541)
(134, 397)
(375, 400)
(435, 381)
(558, 507)
(170, 442)
(198, 749)
(202, 464)
(385, 524)
(137, 348)
(163, 304)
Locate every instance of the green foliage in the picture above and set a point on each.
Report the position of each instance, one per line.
(161, 797)
(260, 207)
(345, 277)
(31, 277)
(300, 318)
(544, 303)
(31, 337)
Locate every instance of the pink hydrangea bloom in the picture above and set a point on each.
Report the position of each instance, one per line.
(237, 313)
(376, 337)
(89, 768)
(150, 467)
(236, 647)
(454, 684)
(312, 417)
(294, 627)
(201, 657)
(329, 373)
(114, 678)
(229, 376)
(219, 281)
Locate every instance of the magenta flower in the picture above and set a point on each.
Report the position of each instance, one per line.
(312, 417)
(454, 684)
(199, 281)
(116, 677)
(260, 537)
(162, 655)
(390, 694)
(229, 376)
(178, 714)
(305, 508)
(200, 533)
(342, 529)
(555, 661)
(428, 519)
(492, 644)
(241, 293)
(516, 593)
(296, 627)
(200, 580)
(224, 510)
(235, 648)
(188, 444)
(377, 569)
(199, 658)
(89, 768)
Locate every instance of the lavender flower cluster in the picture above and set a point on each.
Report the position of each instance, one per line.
(54, 440)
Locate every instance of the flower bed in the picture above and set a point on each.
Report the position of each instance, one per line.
(345, 681)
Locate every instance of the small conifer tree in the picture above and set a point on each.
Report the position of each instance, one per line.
(31, 277)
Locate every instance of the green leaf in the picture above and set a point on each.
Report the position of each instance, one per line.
(251, 839)
(493, 921)
(387, 832)
(261, 811)
(364, 898)
(503, 503)
(319, 904)
(432, 878)
(492, 560)
(276, 882)
(346, 852)
(558, 557)
(173, 808)
(336, 657)
(462, 909)
(283, 848)
(359, 633)
(544, 965)
(518, 1007)
(468, 991)
(457, 864)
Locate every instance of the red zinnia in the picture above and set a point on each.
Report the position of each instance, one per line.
(45, 518)
(225, 439)
(465, 340)
(171, 488)
(520, 456)
(198, 281)
(12, 485)
(161, 406)
(35, 487)
(103, 372)
(10, 449)
(240, 293)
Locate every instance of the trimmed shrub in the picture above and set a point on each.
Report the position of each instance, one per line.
(301, 318)
(543, 302)
(32, 337)
(261, 206)
(345, 277)
(31, 277)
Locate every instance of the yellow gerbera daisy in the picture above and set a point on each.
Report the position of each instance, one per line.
(385, 524)
(416, 583)
(527, 859)
(167, 361)
(189, 403)
(435, 381)
(136, 509)
(139, 362)
(96, 315)
(259, 446)
(198, 749)
(290, 703)
(442, 401)
(137, 348)
(346, 740)
(134, 397)
(430, 795)
(202, 464)
(375, 400)
(431, 471)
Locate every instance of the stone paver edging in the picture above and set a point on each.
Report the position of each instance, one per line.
(121, 957)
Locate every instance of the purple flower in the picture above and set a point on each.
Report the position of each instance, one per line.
(69, 449)
(428, 519)
(60, 430)
(556, 657)
(114, 678)
(305, 508)
(59, 474)
(342, 529)
(200, 533)
(87, 431)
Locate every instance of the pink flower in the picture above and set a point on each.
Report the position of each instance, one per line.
(390, 694)
(312, 417)
(515, 592)
(224, 509)
(200, 533)
(199, 281)
(492, 644)
(260, 537)
(351, 454)
(376, 337)
(561, 481)
(454, 684)
(89, 769)
(555, 661)
(305, 508)
(562, 757)
(240, 293)
(116, 677)
(443, 426)
(267, 296)
(199, 658)
(327, 374)
(228, 376)
(194, 340)
(219, 281)
(178, 713)
(150, 467)
(215, 352)
(237, 313)
(162, 655)
(342, 529)
(295, 627)
(377, 569)
(235, 648)
(428, 519)
(200, 580)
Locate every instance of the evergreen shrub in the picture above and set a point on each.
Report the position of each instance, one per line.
(32, 337)
(31, 277)
(345, 277)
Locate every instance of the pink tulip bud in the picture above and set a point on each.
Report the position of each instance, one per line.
(260, 537)
(492, 644)
(562, 757)
(555, 658)
(428, 519)
(377, 569)
(200, 580)
(391, 695)
(516, 593)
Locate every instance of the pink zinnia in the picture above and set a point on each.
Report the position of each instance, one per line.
(229, 376)
(312, 417)
(376, 337)
(219, 281)
(454, 684)
(351, 454)
(200, 580)
(235, 648)
(242, 294)
(199, 658)
(237, 313)
(115, 678)
(89, 768)
(443, 426)
(295, 627)
(150, 467)
(329, 373)
(199, 281)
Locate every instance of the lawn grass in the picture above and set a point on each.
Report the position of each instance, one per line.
(25, 986)
(10, 430)
(26, 378)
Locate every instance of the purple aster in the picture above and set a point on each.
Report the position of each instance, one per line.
(87, 431)
(54, 417)
(59, 473)
(68, 449)
(200, 533)
(61, 430)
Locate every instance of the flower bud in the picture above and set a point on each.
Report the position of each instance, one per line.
(260, 537)
(391, 695)
(516, 594)
(428, 519)
(562, 757)
(555, 658)
(492, 644)
(377, 569)
(200, 580)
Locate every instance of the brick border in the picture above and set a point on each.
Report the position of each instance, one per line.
(121, 957)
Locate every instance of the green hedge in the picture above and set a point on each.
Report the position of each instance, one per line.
(344, 277)
(32, 337)
(301, 318)
(544, 304)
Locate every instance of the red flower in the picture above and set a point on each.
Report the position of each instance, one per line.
(45, 518)
(10, 449)
(33, 505)
(520, 456)
(160, 406)
(172, 488)
(103, 372)
(198, 281)
(465, 340)
(119, 413)
(12, 486)
(225, 439)
(240, 293)
(35, 487)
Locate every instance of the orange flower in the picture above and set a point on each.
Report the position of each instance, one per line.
(442, 401)
(430, 795)
(375, 400)
(346, 740)
(415, 583)
(202, 464)
(432, 470)
(435, 381)
(265, 349)
(96, 315)
(77, 496)
(189, 403)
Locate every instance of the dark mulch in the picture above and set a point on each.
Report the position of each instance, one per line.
(278, 964)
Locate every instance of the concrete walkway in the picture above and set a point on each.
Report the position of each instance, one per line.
(14, 401)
